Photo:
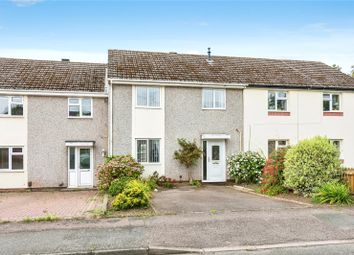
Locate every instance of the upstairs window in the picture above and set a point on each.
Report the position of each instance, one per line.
(11, 158)
(148, 97)
(80, 107)
(331, 102)
(11, 106)
(214, 98)
(277, 101)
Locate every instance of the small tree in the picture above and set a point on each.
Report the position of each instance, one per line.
(188, 154)
(337, 67)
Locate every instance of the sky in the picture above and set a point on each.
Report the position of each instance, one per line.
(84, 30)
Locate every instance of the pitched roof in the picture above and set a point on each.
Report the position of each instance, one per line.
(225, 70)
(28, 74)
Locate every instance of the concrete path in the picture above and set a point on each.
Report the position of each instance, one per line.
(17, 206)
(213, 198)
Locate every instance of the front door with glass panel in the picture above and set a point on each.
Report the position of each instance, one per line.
(214, 161)
(80, 167)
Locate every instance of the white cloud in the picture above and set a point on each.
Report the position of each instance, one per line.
(44, 54)
(24, 3)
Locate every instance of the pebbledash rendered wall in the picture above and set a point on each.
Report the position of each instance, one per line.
(185, 118)
(48, 129)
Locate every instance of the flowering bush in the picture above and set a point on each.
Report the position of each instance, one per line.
(310, 164)
(246, 167)
(117, 167)
(273, 173)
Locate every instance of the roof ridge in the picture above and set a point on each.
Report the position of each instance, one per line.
(49, 60)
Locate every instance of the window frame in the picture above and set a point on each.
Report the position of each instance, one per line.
(340, 145)
(276, 101)
(147, 106)
(331, 102)
(9, 107)
(81, 116)
(213, 101)
(277, 144)
(11, 153)
(147, 150)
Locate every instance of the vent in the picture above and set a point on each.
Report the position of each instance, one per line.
(65, 60)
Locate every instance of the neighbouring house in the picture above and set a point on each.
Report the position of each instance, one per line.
(53, 123)
(59, 119)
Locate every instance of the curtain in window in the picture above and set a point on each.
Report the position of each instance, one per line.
(142, 96)
(219, 98)
(154, 151)
(207, 98)
(141, 150)
(86, 107)
(154, 97)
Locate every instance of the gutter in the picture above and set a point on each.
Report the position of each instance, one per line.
(177, 83)
(52, 93)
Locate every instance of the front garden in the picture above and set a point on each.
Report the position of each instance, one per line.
(309, 171)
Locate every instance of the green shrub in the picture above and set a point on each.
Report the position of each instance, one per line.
(118, 185)
(332, 193)
(188, 154)
(196, 183)
(117, 167)
(136, 194)
(310, 164)
(246, 167)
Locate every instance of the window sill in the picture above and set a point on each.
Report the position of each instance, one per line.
(12, 116)
(333, 113)
(214, 109)
(71, 117)
(149, 164)
(148, 107)
(11, 171)
(278, 113)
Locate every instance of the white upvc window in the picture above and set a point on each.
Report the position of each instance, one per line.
(337, 143)
(214, 98)
(80, 107)
(148, 150)
(331, 102)
(277, 101)
(274, 145)
(11, 158)
(11, 106)
(149, 97)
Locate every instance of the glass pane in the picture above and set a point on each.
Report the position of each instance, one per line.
(74, 101)
(282, 143)
(271, 147)
(74, 110)
(17, 162)
(281, 105)
(327, 97)
(85, 161)
(154, 97)
(282, 95)
(16, 150)
(326, 105)
(4, 158)
(86, 107)
(336, 143)
(271, 101)
(154, 151)
(141, 150)
(335, 102)
(16, 99)
(207, 98)
(4, 105)
(142, 96)
(16, 109)
(219, 98)
(71, 158)
(215, 152)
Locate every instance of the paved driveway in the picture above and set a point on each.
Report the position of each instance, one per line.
(18, 206)
(213, 199)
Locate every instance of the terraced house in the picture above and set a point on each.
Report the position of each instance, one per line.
(59, 119)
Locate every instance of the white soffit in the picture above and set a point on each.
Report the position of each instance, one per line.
(79, 144)
(215, 136)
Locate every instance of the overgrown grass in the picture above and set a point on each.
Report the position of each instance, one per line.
(333, 193)
(48, 217)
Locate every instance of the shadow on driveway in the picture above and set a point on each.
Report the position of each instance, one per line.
(213, 199)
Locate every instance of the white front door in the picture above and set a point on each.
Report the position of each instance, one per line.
(215, 161)
(80, 167)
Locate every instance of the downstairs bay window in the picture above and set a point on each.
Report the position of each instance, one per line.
(11, 158)
(148, 150)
